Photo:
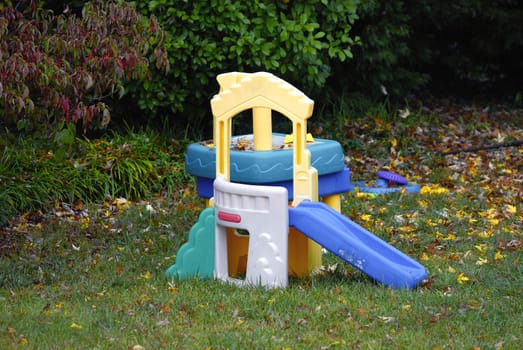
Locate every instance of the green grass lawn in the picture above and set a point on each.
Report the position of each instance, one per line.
(92, 276)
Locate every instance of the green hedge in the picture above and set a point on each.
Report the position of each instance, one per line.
(454, 48)
(383, 63)
(471, 41)
(296, 40)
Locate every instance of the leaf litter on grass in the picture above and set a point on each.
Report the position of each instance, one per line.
(464, 226)
(489, 179)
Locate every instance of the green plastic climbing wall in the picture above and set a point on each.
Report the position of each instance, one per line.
(196, 257)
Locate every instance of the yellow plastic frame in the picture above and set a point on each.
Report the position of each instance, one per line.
(263, 92)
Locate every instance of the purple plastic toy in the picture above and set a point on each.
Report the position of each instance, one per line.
(393, 177)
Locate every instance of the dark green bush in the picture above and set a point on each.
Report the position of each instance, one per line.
(384, 62)
(296, 40)
(471, 42)
(451, 47)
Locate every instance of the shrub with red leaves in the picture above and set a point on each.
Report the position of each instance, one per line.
(59, 69)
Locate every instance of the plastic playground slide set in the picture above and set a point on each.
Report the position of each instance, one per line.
(252, 178)
(357, 246)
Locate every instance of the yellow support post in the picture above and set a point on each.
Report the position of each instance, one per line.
(262, 128)
(333, 201)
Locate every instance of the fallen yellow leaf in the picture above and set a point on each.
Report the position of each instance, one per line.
(491, 213)
(394, 142)
(511, 209)
(76, 326)
(462, 278)
(499, 256)
(494, 222)
(365, 217)
(433, 189)
(485, 234)
(481, 247)
(121, 203)
(481, 261)
(146, 275)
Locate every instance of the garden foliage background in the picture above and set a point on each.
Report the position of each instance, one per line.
(98, 100)
(76, 71)
(324, 47)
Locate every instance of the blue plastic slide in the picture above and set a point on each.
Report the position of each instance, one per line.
(357, 246)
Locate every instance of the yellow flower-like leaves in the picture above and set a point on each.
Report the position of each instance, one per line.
(462, 278)
(433, 189)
